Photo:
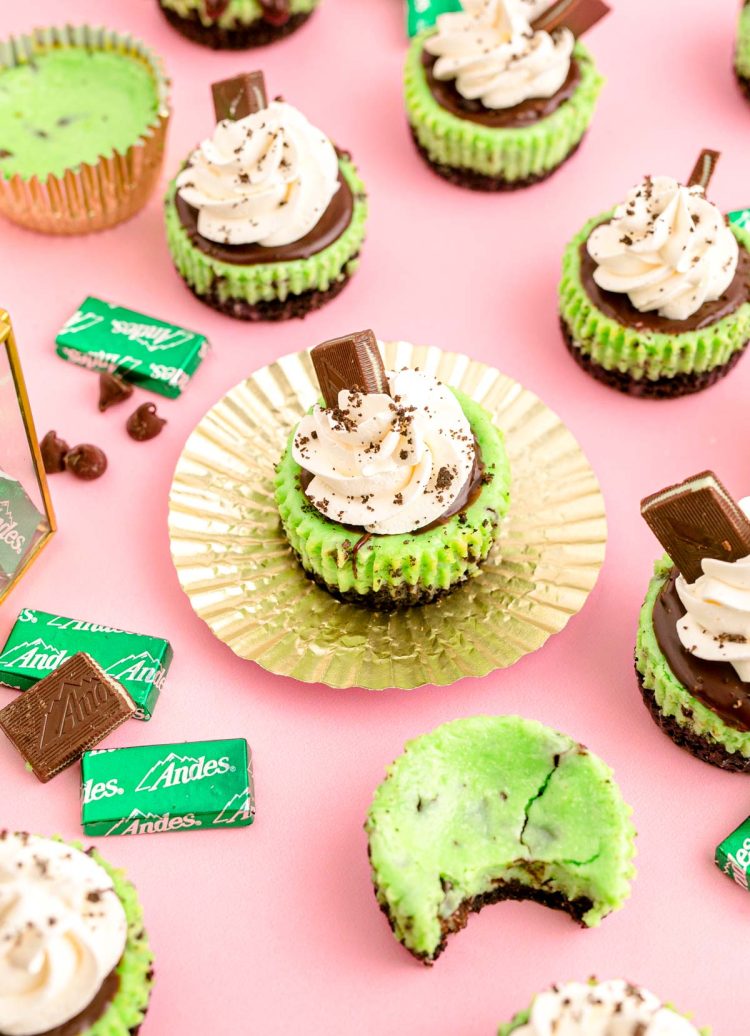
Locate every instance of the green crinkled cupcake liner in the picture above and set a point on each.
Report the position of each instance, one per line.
(266, 282)
(432, 560)
(644, 354)
(238, 13)
(128, 1007)
(672, 697)
(510, 154)
(742, 49)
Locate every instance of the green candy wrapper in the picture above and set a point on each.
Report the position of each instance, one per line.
(733, 855)
(156, 355)
(156, 788)
(40, 642)
(422, 14)
(740, 218)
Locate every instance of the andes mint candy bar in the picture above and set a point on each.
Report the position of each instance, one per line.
(240, 96)
(733, 855)
(39, 642)
(156, 788)
(697, 519)
(704, 168)
(351, 362)
(740, 217)
(66, 713)
(422, 14)
(577, 15)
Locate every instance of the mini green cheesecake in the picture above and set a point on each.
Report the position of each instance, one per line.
(492, 808)
(484, 157)
(236, 24)
(688, 721)
(742, 51)
(72, 105)
(395, 571)
(266, 290)
(634, 357)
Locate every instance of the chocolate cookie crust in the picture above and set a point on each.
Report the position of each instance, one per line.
(703, 748)
(259, 34)
(481, 181)
(647, 388)
(504, 890)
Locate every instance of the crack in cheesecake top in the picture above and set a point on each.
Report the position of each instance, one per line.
(491, 52)
(613, 1008)
(387, 462)
(264, 179)
(667, 248)
(62, 932)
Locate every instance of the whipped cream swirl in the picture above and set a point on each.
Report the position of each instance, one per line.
(667, 248)
(389, 463)
(494, 56)
(62, 931)
(716, 627)
(266, 179)
(612, 1008)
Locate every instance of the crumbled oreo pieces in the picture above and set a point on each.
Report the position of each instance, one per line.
(144, 423)
(86, 462)
(112, 390)
(53, 450)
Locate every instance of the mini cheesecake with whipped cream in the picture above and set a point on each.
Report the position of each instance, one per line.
(392, 489)
(611, 1008)
(655, 295)
(693, 648)
(74, 956)
(236, 24)
(500, 93)
(266, 219)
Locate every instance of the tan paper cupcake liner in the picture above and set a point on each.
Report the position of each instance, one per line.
(88, 197)
(242, 579)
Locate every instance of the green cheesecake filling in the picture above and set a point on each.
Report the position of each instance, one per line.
(495, 807)
(72, 105)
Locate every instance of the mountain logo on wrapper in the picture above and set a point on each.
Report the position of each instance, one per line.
(138, 823)
(142, 668)
(75, 706)
(81, 321)
(33, 655)
(181, 769)
(239, 807)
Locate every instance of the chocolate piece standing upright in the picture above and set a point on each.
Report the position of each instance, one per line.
(86, 461)
(240, 96)
(697, 519)
(53, 450)
(350, 362)
(65, 714)
(704, 168)
(112, 390)
(577, 15)
(144, 423)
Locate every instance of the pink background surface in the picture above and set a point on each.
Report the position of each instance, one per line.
(275, 929)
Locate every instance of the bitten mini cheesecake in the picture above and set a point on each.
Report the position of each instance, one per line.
(491, 808)
(266, 219)
(496, 101)
(612, 1008)
(236, 24)
(693, 649)
(74, 956)
(392, 491)
(655, 295)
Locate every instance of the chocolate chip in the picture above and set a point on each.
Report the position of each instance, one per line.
(53, 450)
(86, 461)
(112, 390)
(144, 423)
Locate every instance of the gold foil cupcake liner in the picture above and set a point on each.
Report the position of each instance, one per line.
(242, 579)
(96, 196)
